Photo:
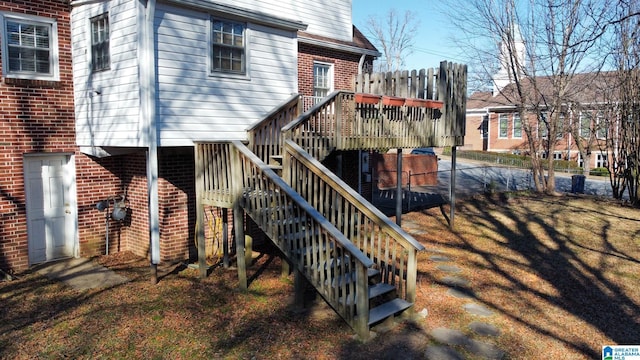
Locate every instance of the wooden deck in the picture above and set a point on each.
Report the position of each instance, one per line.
(336, 240)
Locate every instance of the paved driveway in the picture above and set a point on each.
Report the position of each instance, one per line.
(475, 177)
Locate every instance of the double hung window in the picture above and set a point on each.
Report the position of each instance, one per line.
(29, 47)
(322, 79)
(100, 58)
(503, 129)
(228, 49)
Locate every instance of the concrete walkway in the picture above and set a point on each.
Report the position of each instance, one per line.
(81, 274)
(476, 339)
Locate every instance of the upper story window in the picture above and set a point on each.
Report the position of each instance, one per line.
(503, 126)
(517, 126)
(228, 49)
(585, 124)
(100, 58)
(322, 79)
(601, 126)
(543, 126)
(560, 127)
(29, 47)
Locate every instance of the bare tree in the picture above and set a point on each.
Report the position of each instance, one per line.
(394, 36)
(541, 46)
(623, 127)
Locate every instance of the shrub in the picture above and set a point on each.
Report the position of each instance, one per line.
(600, 171)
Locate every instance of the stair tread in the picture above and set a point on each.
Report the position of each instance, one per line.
(375, 290)
(350, 277)
(387, 309)
(380, 289)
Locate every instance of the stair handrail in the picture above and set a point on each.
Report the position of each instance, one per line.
(301, 202)
(328, 120)
(323, 176)
(348, 193)
(265, 138)
(256, 180)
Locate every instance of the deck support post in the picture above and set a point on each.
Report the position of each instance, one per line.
(200, 240)
(299, 284)
(225, 238)
(399, 187)
(238, 224)
(362, 304)
(238, 215)
(452, 187)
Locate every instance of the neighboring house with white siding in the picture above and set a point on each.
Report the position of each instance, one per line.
(153, 77)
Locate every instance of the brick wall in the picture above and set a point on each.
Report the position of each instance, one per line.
(35, 117)
(423, 170)
(177, 198)
(345, 67)
(96, 180)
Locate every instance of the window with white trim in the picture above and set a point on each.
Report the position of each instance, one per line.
(29, 47)
(560, 127)
(557, 155)
(601, 160)
(503, 123)
(517, 126)
(601, 126)
(100, 58)
(585, 124)
(322, 79)
(228, 47)
(543, 126)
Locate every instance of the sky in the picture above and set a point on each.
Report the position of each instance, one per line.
(432, 42)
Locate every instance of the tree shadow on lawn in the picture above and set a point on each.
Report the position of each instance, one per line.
(582, 287)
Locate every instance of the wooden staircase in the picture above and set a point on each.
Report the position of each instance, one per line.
(361, 263)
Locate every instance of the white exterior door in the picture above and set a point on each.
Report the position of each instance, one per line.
(50, 214)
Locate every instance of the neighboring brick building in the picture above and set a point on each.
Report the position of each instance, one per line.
(494, 124)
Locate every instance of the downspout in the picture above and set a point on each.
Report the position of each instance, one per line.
(148, 109)
(361, 63)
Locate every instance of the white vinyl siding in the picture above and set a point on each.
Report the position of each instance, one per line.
(329, 18)
(107, 103)
(193, 106)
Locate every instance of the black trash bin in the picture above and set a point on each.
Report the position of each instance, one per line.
(577, 184)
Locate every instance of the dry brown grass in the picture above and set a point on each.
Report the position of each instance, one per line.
(561, 274)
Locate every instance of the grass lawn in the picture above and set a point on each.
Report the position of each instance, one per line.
(560, 274)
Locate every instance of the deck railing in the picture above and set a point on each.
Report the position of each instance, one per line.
(312, 243)
(393, 250)
(341, 122)
(265, 137)
(214, 179)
